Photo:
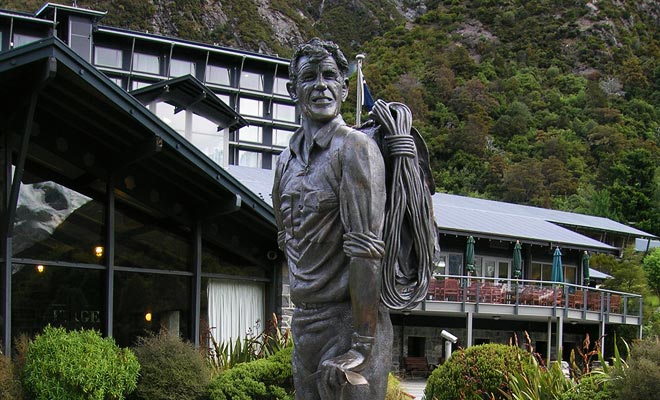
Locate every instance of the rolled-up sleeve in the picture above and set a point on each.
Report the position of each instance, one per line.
(362, 196)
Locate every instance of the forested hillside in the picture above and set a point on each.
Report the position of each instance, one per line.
(547, 102)
(553, 103)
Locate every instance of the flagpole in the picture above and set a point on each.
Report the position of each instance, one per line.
(360, 83)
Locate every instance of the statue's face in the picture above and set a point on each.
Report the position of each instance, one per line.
(320, 88)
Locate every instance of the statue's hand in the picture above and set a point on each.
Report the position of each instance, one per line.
(344, 368)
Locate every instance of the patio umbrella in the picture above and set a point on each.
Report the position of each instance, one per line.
(557, 269)
(469, 256)
(585, 268)
(517, 261)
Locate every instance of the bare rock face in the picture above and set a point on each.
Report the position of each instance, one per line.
(285, 30)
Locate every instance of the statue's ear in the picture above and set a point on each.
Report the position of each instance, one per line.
(292, 90)
(344, 90)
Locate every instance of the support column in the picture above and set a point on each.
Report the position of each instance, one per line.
(197, 282)
(549, 347)
(601, 335)
(560, 336)
(469, 329)
(109, 253)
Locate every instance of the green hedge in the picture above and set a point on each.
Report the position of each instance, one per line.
(78, 365)
(171, 369)
(265, 379)
(476, 373)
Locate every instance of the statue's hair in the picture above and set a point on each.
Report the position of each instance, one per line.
(317, 49)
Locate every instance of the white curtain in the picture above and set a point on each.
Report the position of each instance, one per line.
(235, 308)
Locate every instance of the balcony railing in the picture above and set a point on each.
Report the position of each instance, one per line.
(523, 292)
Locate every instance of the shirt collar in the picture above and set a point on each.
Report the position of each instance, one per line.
(322, 137)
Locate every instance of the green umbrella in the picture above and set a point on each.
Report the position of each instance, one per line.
(517, 261)
(557, 269)
(469, 256)
(585, 268)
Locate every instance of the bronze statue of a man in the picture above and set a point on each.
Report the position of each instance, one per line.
(329, 199)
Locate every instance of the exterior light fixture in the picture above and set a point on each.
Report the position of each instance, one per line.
(496, 317)
(147, 317)
(98, 251)
(40, 268)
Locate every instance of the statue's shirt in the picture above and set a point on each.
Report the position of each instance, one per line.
(328, 208)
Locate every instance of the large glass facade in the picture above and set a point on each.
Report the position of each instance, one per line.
(54, 222)
(149, 303)
(140, 243)
(60, 296)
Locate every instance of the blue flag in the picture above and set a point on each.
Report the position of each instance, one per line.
(367, 100)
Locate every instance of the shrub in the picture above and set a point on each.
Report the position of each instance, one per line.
(78, 365)
(171, 369)
(269, 378)
(641, 380)
(10, 388)
(594, 386)
(477, 372)
(537, 383)
(394, 391)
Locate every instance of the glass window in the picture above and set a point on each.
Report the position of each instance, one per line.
(108, 57)
(249, 159)
(455, 264)
(147, 303)
(60, 296)
(279, 86)
(21, 39)
(139, 84)
(205, 136)
(235, 309)
(251, 107)
(223, 262)
(225, 98)
(570, 274)
(54, 222)
(503, 270)
(281, 137)
(116, 81)
(142, 244)
(177, 121)
(250, 134)
(251, 80)
(541, 271)
(146, 63)
(218, 75)
(181, 67)
(284, 112)
(80, 40)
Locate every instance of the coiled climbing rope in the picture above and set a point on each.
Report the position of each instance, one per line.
(409, 231)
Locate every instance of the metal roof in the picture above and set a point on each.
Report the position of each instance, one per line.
(487, 218)
(259, 181)
(188, 93)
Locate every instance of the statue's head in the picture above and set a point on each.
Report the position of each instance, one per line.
(318, 79)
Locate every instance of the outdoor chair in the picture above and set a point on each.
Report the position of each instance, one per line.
(594, 301)
(615, 303)
(576, 300)
(450, 290)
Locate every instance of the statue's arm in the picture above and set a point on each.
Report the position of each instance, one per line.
(362, 202)
(276, 203)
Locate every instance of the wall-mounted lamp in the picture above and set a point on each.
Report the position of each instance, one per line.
(147, 317)
(98, 251)
(40, 268)
(496, 317)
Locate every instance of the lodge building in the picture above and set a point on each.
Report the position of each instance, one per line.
(136, 178)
